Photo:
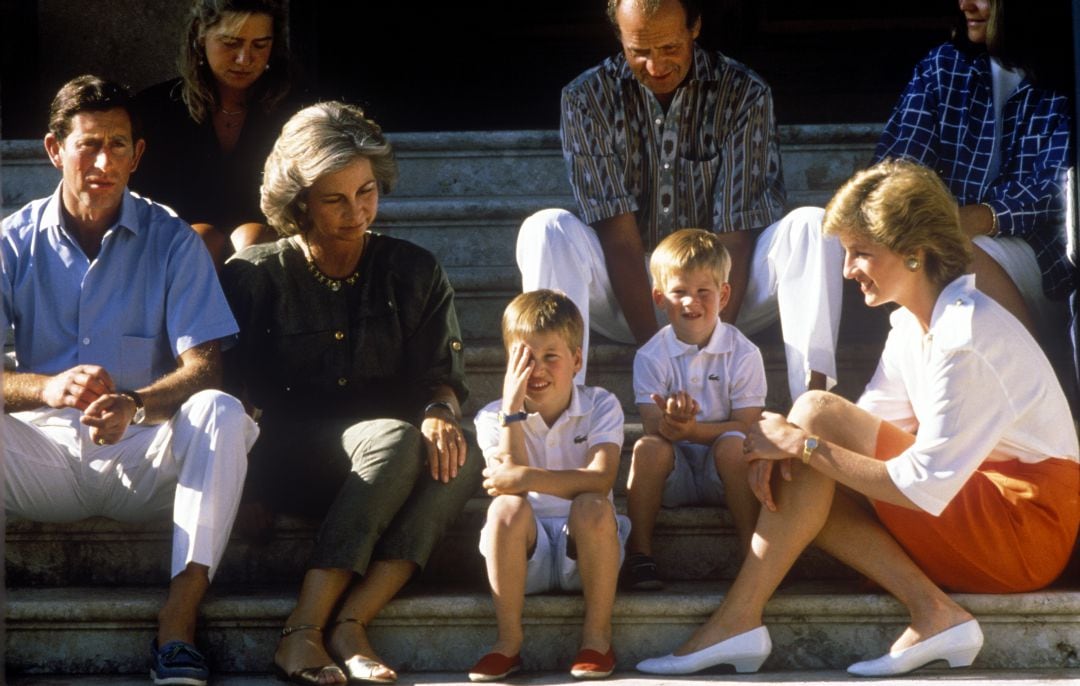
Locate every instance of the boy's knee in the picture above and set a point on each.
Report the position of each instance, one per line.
(653, 454)
(509, 512)
(591, 512)
(728, 450)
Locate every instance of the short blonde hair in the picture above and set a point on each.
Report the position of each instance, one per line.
(689, 250)
(316, 141)
(905, 207)
(543, 311)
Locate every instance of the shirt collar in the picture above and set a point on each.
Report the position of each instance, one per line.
(719, 343)
(52, 217)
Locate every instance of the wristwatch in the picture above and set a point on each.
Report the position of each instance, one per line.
(140, 409)
(808, 448)
(508, 419)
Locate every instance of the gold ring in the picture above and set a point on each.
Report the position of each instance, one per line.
(100, 441)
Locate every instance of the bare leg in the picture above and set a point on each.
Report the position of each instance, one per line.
(809, 511)
(593, 527)
(177, 617)
(653, 460)
(995, 282)
(303, 649)
(512, 532)
(348, 640)
(250, 234)
(732, 467)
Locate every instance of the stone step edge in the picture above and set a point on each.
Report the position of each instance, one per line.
(682, 602)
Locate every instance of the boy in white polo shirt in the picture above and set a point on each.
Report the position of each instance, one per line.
(699, 384)
(552, 450)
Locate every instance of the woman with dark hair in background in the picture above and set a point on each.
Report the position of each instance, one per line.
(208, 132)
(989, 111)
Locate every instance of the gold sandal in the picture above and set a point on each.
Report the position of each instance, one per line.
(306, 676)
(361, 670)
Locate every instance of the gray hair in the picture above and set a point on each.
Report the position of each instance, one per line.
(316, 141)
(692, 9)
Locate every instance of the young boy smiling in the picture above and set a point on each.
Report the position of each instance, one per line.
(699, 384)
(552, 450)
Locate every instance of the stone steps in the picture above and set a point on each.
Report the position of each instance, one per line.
(626, 677)
(814, 626)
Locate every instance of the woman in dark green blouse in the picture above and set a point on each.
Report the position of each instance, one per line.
(350, 349)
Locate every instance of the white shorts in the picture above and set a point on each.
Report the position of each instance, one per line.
(553, 563)
(694, 479)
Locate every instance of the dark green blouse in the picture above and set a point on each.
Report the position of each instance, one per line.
(373, 349)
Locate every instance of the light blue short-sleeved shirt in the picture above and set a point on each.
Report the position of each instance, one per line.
(149, 295)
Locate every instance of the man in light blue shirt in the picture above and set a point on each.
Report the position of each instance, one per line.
(119, 319)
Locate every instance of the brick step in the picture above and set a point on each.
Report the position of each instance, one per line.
(814, 626)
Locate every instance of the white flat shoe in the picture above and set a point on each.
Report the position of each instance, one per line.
(958, 646)
(744, 652)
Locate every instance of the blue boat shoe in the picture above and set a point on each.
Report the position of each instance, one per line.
(177, 664)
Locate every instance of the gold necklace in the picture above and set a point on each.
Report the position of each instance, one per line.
(320, 276)
(332, 284)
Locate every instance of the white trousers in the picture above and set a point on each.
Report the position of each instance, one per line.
(194, 464)
(795, 274)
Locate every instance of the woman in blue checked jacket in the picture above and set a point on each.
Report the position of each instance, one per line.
(987, 111)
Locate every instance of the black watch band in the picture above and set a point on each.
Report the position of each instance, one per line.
(140, 408)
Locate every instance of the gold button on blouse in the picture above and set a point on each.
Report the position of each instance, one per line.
(339, 335)
(455, 345)
(342, 381)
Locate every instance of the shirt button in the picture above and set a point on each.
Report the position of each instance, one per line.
(342, 381)
(659, 121)
(666, 210)
(667, 165)
(86, 341)
(695, 380)
(339, 335)
(455, 345)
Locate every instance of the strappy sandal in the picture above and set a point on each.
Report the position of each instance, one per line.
(307, 676)
(362, 670)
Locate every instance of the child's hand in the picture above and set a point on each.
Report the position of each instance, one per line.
(679, 415)
(502, 477)
(519, 368)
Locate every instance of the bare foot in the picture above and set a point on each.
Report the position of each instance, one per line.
(349, 643)
(303, 651)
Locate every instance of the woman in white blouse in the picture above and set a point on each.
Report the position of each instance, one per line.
(957, 469)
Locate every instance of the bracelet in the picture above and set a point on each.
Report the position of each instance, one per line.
(442, 404)
(993, 220)
(506, 419)
(733, 434)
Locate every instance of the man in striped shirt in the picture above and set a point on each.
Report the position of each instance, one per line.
(667, 135)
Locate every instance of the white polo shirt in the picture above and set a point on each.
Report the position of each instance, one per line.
(975, 383)
(593, 417)
(727, 374)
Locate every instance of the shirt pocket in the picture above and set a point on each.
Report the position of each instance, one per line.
(377, 341)
(136, 359)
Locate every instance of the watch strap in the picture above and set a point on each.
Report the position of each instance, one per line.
(508, 419)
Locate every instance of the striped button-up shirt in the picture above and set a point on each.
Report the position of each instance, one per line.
(945, 120)
(710, 161)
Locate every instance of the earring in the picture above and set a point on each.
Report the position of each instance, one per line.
(266, 68)
(913, 263)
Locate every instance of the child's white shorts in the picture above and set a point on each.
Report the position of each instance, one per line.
(552, 567)
(694, 479)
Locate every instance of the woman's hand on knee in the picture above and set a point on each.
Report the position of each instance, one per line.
(445, 445)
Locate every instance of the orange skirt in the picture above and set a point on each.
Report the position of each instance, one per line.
(1011, 528)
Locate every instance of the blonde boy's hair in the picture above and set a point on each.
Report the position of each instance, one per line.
(543, 311)
(689, 250)
(905, 207)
